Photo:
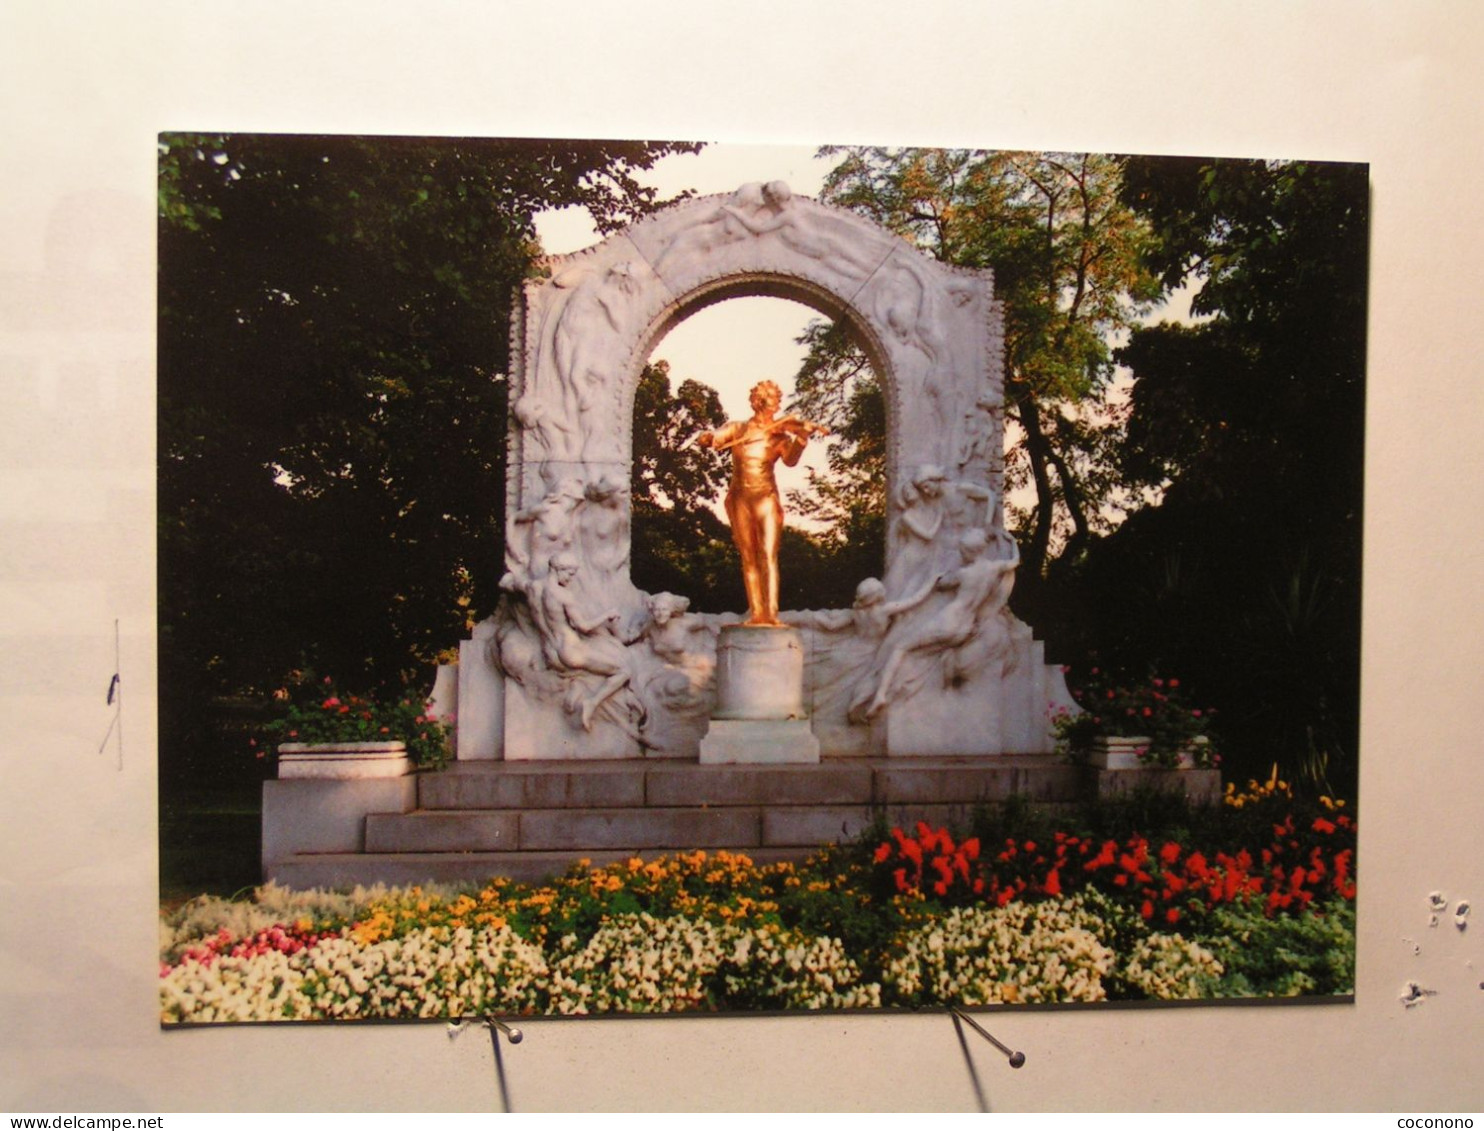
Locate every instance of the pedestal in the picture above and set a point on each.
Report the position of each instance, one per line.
(759, 715)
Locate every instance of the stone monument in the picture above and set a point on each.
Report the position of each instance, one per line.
(577, 663)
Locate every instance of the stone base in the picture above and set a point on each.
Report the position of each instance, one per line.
(531, 820)
(759, 742)
(344, 761)
(759, 673)
(1120, 753)
(326, 815)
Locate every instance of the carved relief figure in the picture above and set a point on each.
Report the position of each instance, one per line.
(716, 229)
(965, 506)
(910, 302)
(585, 340)
(551, 434)
(814, 236)
(575, 643)
(979, 586)
(844, 659)
(544, 529)
(605, 524)
(921, 517)
(979, 421)
(684, 669)
(753, 504)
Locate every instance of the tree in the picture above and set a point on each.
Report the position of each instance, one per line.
(679, 543)
(1252, 424)
(837, 387)
(1067, 258)
(333, 338)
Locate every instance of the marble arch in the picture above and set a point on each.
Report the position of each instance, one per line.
(578, 663)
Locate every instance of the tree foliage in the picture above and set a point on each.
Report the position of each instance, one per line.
(1067, 255)
(1237, 458)
(679, 543)
(1247, 575)
(333, 334)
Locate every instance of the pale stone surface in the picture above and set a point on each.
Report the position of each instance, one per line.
(769, 741)
(535, 785)
(441, 832)
(343, 760)
(812, 827)
(1122, 753)
(759, 673)
(639, 828)
(836, 783)
(443, 700)
(319, 815)
(480, 734)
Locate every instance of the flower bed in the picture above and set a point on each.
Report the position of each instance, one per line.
(317, 713)
(919, 919)
(1149, 717)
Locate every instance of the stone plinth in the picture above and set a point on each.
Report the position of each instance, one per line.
(759, 742)
(760, 716)
(343, 760)
(759, 673)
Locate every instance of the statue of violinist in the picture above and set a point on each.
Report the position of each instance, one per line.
(753, 504)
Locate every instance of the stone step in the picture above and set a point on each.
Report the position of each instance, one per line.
(531, 821)
(860, 781)
(655, 830)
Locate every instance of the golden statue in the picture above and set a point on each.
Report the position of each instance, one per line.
(753, 504)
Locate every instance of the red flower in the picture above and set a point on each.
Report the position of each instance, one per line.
(1172, 915)
(1170, 852)
(1146, 909)
(1052, 886)
(1323, 826)
(330, 703)
(882, 853)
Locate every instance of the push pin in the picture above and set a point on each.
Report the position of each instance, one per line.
(1015, 1058)
(512, 1034)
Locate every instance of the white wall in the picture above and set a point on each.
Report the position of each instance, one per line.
(86, 87)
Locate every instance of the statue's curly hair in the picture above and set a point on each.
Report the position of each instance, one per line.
(767, 387)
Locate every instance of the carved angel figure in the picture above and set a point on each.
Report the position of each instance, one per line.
(979, 587)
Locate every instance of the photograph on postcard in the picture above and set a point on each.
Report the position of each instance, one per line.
(644, 577)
